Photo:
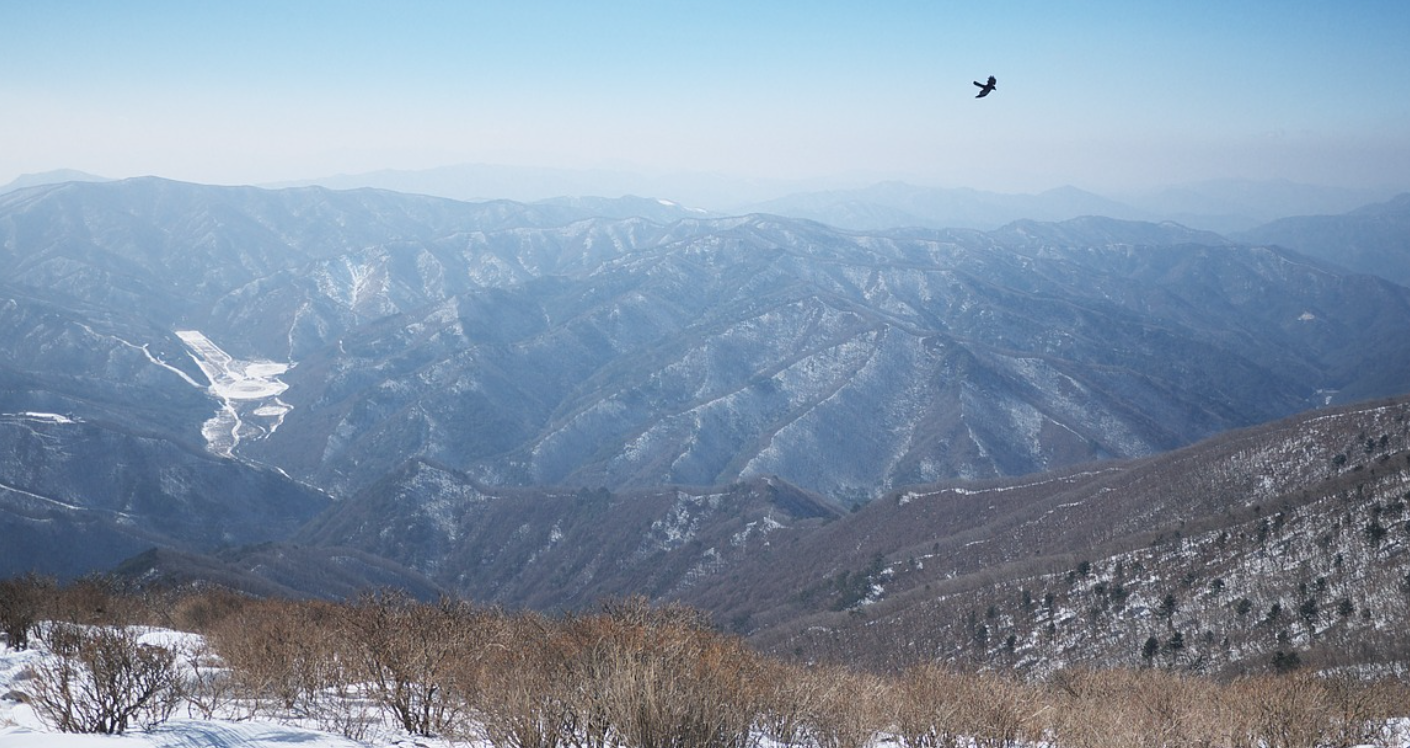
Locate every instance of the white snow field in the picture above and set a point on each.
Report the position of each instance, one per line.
(248, 390)
(22, 727)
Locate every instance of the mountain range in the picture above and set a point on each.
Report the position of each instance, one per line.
(1370, 239)
(1224, 205)
(1232, 555)
(543, 403)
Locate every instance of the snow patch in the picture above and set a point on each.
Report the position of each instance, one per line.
(248, 390)
(42, 417)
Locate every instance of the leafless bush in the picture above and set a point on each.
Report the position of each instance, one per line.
(929, 707)
(202, 610)
(999, 711)
(290, 659)
(1364, 713)
(1135, 709)
(851, 710)
(210, 689)
(283, 655)
(103, 680)
(653, 678)
(786, 698)
(93, 600)
(1288, 711)
(21, 599)
(420, 661)
(527, 699)
(1307, 710)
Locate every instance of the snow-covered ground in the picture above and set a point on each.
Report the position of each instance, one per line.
(22, 727)
(40, 417)
(189, 733)
(249, 391)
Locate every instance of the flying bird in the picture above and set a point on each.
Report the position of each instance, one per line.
(985, 88)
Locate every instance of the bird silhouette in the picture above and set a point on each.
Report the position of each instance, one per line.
(985, 88)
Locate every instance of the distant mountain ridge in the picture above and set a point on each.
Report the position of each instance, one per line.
(1223, 205)
(1371, 239)
(896, 204)
(1232, 205)
(57, 176)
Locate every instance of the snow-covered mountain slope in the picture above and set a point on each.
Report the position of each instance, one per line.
(78, 496)
(545, 345)
(844, 363)
(1292, 537)
(562, 549)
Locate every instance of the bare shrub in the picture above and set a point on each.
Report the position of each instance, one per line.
(1364, 713)
(284, 657)
(93, 600)
(997, 711)
(1289, 711)
(419, 661)
(652, 678)
(103, 680)
(210, 689)
(929, 707)
(1134, 709)
(786, 699)
(21, 599)
(528, 699)
(852, 708)
(1308, 710)
(202, 610)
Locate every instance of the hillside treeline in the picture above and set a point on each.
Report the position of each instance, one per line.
(628, 675)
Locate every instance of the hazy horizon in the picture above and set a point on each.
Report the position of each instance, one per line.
(1106, 97)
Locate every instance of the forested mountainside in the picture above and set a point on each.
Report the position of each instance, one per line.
(1289, 537)
(544, 404)
(1286, 543)
(1282, 543)
(346, 332)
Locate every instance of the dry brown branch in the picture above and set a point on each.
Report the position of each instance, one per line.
(102, 680)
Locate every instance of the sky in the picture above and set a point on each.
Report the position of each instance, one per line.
(1099, 95)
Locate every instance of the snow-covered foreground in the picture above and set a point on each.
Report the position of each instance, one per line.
(22, 727)
(189, 733)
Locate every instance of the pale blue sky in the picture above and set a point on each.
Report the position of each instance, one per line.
(1101, 95)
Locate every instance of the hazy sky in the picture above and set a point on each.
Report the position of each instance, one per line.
(1101, 95)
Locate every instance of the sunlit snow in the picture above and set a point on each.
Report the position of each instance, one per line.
(248, 390)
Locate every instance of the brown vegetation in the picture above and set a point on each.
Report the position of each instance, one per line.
(632, 675)
(103, 680)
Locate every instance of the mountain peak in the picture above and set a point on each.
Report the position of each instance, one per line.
(50, 177)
